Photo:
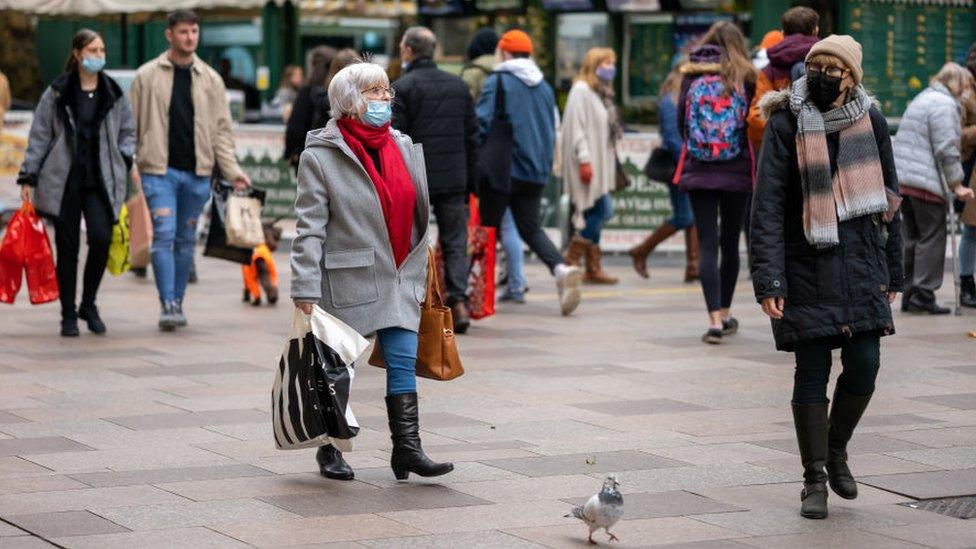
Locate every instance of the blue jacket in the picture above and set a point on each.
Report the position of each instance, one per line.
(530, 105)
(670, 133)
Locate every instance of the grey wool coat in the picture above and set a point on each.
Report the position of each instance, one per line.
(51, 144)
(341, 257)
(928, 141)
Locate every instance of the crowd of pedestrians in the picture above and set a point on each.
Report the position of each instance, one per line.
(790, 147)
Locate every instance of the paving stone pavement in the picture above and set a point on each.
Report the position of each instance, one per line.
(142, 439)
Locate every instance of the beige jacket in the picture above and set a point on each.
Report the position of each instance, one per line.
(213, 135)
(585, 137)
(4, 98)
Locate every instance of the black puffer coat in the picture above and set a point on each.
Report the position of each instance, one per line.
(435, 109)
(839, 290)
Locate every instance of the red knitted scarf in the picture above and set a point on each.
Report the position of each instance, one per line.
(392, 181)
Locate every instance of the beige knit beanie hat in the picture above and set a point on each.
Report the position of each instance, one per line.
(844, 48)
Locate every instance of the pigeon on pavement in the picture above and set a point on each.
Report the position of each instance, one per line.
(602, 510)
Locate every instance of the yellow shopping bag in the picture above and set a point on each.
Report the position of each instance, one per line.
(118, 251)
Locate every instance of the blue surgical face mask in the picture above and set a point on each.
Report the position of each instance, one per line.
(377, 113)
(93, 64)
(606, 74)
(405, 65)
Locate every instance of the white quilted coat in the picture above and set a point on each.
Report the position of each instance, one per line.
(928, 140)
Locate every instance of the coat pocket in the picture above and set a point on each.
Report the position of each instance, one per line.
(352, 277)
(801, 279)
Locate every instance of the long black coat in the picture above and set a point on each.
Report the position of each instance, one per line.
(840, 290)
(435, 109)
(309, 112)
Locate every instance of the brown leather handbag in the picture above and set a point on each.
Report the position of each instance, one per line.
(437, 352)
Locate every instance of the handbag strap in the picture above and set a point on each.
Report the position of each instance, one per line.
(499, 95)
(433, 297)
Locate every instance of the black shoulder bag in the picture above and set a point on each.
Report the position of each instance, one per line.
(495, 152)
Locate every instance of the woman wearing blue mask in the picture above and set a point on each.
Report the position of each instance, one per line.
(589, 137)
(361, 249)
(79, 151)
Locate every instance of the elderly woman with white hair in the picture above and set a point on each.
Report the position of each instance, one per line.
(361, 249)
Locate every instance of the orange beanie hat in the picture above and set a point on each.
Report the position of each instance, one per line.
(771, 38)
(515, 41)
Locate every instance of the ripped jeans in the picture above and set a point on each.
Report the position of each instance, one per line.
(175, 201)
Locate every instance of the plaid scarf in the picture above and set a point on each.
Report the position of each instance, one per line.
(857, 188)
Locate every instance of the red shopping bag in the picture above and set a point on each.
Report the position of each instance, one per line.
(26, 248)
(12, 256)
(42, 279)
(481, 274)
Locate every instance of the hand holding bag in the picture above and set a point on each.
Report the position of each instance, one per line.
(437, 352)
(217, 244)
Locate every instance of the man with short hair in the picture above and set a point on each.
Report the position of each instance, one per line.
(800, 28)
(184, 129)
(436, 110)
(530, 107)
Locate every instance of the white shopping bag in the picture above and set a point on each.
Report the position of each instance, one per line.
(312, 387)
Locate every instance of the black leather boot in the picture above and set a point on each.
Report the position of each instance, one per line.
(810, 421)
(967, 291)
(408, 457)
(89, 313)
(845, 412)
(332, 465)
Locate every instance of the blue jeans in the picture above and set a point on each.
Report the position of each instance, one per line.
(399, 348)
(682, 216)
(175, 201)
(967, 251)
(596, 217)
(513, 245)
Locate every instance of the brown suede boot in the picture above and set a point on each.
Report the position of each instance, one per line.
(576, 251)
(691, 254)
(640, 252)
(594, 271)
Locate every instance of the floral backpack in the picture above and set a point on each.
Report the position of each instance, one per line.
(714, 120)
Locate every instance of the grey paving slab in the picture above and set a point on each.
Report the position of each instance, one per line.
(640, 407)
(937, 438)
(668, 504)
(188, 538)
(632, 533)
(861, 443)
(716, 544)
(772, 522)
(314, 530)
(158, 476)
(888, 420)
(578, 370)
(37, 483)
(486, 517)
(190, 514)
(265, 486)
(961, 457)
(202, 368)
(68, 523)
(7, 530)
(473, 540)
(970, 369)
(42, 445)
(77, 500)
(24, 542)
(961, 401)
(374, 501)
(200, 419)
(831, 540)
(936, 484)
(597, 462)
(7, 417)
(960, 534)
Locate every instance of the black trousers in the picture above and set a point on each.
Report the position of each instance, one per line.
(93, 204)
(525, 201)
(452, 229)
(860, 355)
(718, 280)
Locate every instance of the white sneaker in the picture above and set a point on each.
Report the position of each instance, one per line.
(568, 281)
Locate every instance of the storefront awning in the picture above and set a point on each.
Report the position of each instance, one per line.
(360, 8)
(109, 7)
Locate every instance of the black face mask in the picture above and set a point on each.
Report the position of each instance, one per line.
(823, 90)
